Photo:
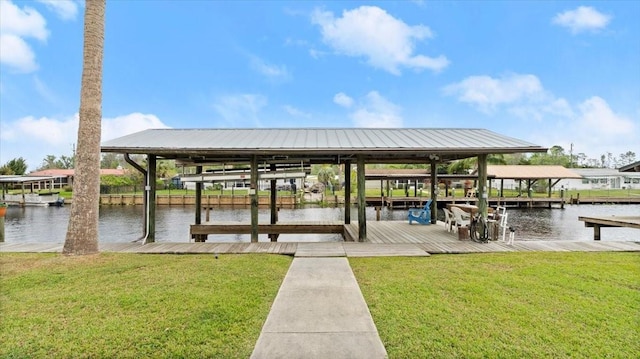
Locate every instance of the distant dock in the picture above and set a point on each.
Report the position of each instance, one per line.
(610, 221)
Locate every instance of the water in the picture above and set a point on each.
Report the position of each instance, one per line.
(124, 223)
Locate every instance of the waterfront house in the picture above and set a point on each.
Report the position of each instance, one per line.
(602, 178)
(58, 178)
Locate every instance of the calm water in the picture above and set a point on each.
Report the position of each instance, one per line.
(124, 223)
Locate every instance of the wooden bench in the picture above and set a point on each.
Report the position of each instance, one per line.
(201, 231)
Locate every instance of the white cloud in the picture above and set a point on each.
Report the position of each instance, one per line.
(376, 111)
(34, 138)
(316, 54)
(127, 124)
(595, 129)
(25, 22)
(16, 25)
(16, 53)
(65, 9)
(241, 110)
(559, 107)
(269, 70)
(487, 93)
(592, 125)
(295, 112)
(584, 18)
(386, 42)
(43, 130)
(599, 118)
(44, 90)
(343, 100)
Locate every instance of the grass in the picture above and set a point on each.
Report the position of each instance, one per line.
(133, 306)
(516, 305)
(519, 305)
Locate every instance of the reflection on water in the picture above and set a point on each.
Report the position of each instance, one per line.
(124, 223)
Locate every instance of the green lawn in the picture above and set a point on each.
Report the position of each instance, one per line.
(519, 305)
(135, 306)
(516, 305)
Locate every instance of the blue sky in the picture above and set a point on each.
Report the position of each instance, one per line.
(553, 73)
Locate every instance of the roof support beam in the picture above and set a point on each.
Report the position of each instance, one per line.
(434, 192)
(347, 192)
(198, 219)
(273, 196)
(145, 201)
(482, 186)
(150, 190)
(362, 203)
(253, 191)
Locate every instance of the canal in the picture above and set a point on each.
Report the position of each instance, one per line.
(124, 223)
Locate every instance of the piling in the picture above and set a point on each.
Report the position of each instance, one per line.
(3, 211)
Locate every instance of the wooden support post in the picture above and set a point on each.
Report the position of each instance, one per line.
(434, 192)
(596, 232)
(482, 186)
(198, 219)
(2, 228)
(151, 235)
(378, 213)
(347, 192)
(145, 204)
(272, 205)
(362, 203)
(253, 189)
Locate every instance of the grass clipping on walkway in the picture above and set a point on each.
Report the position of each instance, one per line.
(518, 305)
(135, 306)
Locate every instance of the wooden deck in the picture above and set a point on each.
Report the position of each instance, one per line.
(385, 238)
(610, 221)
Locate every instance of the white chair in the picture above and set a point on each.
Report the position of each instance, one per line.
(449, 221)
(462, 218)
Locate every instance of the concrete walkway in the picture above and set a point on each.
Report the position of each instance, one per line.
(319, 312)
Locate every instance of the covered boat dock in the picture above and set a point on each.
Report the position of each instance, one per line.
(278, 148)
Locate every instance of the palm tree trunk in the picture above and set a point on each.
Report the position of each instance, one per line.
(82, 233)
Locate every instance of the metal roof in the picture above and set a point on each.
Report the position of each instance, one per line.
(531, 172)
(412, 174)
(25, 179)
(631, 167)
(604, 172)
(317, 144)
